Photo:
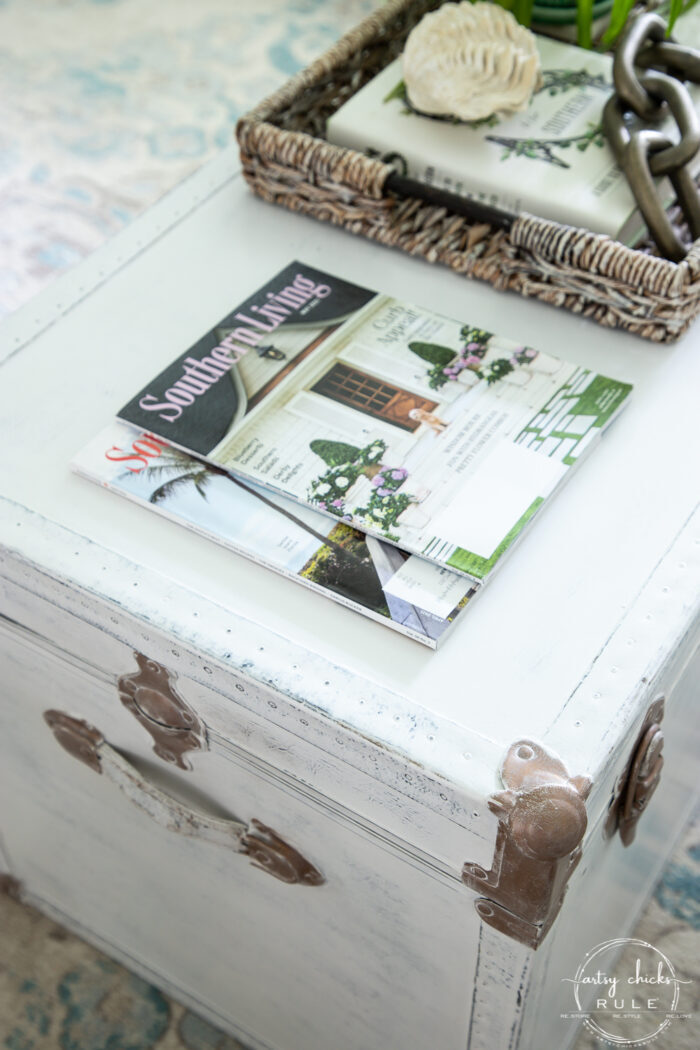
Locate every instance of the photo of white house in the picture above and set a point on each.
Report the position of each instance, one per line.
(397, 418)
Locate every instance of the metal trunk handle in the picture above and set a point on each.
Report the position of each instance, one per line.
(264, 846)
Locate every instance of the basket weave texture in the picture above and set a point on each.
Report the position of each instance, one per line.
(286, 160)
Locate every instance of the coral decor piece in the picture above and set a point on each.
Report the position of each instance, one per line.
(470, 61)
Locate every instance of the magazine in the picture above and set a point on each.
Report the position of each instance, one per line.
(376, 579)
(550, 160)
(422, 430)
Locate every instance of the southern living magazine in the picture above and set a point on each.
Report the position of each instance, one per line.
(422, 430)
(407, 593)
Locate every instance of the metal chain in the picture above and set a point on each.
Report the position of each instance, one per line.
(648, 74)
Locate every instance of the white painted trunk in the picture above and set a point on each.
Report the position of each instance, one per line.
(371, 760)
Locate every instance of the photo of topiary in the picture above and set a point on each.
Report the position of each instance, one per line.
(447, 364)
(345, 464)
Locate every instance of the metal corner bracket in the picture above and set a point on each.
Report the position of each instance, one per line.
(541, 822)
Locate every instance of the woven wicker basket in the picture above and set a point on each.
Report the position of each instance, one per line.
(286, 160)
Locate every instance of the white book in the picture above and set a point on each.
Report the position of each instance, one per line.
(551, 160)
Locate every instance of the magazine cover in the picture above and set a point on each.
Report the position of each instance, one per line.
(422, 430)
(374, 578)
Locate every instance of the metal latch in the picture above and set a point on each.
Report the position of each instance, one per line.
(641, 777)
(150, 696)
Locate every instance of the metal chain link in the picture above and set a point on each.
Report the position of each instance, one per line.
(648, 74)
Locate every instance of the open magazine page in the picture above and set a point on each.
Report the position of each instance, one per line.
(374, 578)
(422, 430)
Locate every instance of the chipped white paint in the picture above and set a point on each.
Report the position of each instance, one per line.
(635, 665)
(372, 756)
(165, 810)
(611, 884)
(191, 910)
(409, 750)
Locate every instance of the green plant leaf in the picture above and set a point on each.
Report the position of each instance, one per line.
(676, 8)
(398, 92)
(584, 23)
(618, 16)
(522, 9)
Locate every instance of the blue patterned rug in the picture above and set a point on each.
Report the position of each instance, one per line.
(57, 993)
(107, 104)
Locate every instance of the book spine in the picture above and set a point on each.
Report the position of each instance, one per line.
(474, 187)
(416, 167)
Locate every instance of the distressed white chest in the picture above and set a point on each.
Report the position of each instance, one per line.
(311, 830)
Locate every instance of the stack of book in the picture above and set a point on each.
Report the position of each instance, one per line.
(372, 449)
(550, 160)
